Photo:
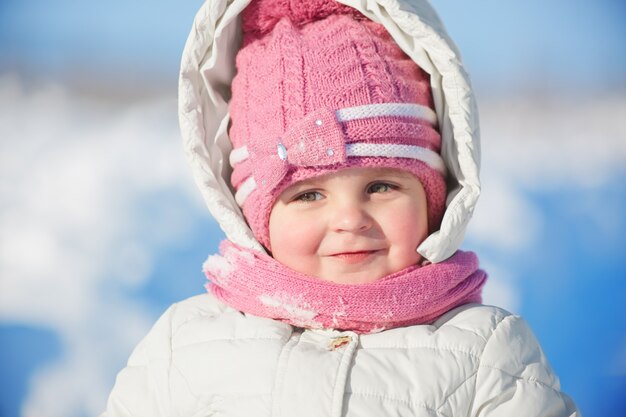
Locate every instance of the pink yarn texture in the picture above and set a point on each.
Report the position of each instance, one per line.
(261, 16)
(255, 283)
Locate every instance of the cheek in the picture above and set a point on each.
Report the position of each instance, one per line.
(409, 234)
(407, 227)
(292, 235)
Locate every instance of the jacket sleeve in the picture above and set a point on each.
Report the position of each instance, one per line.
(515, 379)
(142, 387)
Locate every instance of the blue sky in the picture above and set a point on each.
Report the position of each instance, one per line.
(116, 231)
(538, 42)
(529, 43)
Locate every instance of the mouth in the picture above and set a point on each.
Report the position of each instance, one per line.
(354, 257)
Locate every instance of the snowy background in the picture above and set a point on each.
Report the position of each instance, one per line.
(101, 227)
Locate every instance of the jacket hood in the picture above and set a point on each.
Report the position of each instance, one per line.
(208, 68)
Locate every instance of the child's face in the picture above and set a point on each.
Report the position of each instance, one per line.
(353, 226)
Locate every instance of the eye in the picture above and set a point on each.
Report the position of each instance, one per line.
(308, 196)
(380, 187)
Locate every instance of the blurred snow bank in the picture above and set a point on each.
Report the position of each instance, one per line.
(74, 238)
(543, 144)
(547, 142)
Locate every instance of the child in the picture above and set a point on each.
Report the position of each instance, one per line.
(342, 293)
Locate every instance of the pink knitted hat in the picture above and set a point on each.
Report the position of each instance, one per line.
(319, 88)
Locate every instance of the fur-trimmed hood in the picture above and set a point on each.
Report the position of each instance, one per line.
(208, 68)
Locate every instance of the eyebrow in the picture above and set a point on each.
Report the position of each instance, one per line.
(392, 172)
(299, 186)
(382, 173)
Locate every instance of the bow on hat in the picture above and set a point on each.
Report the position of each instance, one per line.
(316, 140)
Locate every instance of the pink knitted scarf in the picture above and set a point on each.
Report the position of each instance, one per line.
(255, 283)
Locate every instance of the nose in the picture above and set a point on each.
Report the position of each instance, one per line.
(351, 216)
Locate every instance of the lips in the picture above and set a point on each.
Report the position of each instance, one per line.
(354, 257)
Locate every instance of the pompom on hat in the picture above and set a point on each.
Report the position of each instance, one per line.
(319, 88)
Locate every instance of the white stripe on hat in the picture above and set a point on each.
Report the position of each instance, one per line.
(245, 189)
(412, 110)
(393, 150)
(238, 155)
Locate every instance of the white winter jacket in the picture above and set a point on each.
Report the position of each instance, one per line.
(203, 358)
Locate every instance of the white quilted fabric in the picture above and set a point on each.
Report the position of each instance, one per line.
(204, 359)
